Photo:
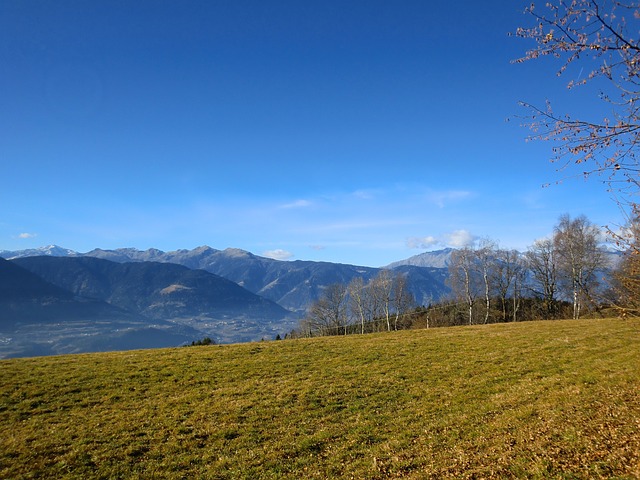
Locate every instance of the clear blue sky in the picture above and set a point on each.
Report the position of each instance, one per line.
(357, 132)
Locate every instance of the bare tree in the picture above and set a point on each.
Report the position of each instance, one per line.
(402, 300)
(462, 277)
(507, 278)
(541, 261)
(305, 328)
(358, 300)
(382, 292)
(486, 263)
(579, 257)
(519, 278)
(626, 277)
(328, 314)
(602, 36)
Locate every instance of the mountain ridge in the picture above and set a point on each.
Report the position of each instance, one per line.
(440, 257)
(435, 258)
(164, 291)
(294, 285)
(40, 318)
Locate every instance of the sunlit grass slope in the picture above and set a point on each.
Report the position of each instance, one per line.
(534, 400)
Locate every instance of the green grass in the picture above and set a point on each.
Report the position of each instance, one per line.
(530, 400)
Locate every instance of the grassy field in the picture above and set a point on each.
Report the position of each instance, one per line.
(530, 400)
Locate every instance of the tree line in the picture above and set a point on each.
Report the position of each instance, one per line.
(564, 276)
(359, 307)
(566, 269)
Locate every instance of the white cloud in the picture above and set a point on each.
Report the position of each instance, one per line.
(422, 242)
(364, 194)
(455, 239)
(442, 198)
(27, 235)
(278, 254)
(317, 247)
(459, 239)
(297, 204)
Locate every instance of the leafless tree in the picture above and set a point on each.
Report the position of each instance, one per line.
(576, 242)
(382, 292)
(602, 37)
(463, 278)
(507, 275)
(626, 276)
(402, 300)
(541, 262)
(519, 279)
(486, 263)
(328, 315)
(358, 301)
(305, 329)
(597, 42)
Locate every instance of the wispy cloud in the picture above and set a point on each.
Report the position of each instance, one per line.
(278, 254)
(422, 242)
(364, 194)
(455, 239)
(317, 247)
(301, 203)
(443, 198)
(27, 235)
(356, 224)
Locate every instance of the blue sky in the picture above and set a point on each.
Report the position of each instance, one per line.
(358, 132)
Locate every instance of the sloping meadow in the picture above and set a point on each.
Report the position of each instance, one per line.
(536, 400)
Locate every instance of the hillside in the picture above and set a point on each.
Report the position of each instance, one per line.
(156, 290)
(197, 299)
(39, 318)
(293, 285)
(26, 298)
(526, 400)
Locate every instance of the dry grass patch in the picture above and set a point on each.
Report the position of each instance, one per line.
(532, 400)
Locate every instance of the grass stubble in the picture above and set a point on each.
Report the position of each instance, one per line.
(529, 400)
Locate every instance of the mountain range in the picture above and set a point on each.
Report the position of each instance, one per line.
(294, 285)
(129, 298)
(56, 300)
(40, 318)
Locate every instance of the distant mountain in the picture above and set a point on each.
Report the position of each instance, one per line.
(170, 292)
(156, 290)
(122, 255)
(434, 259)
(27, 298)
(39, 318)
(230, 295)
(426, 284)
(49, 251)
(294, 285)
